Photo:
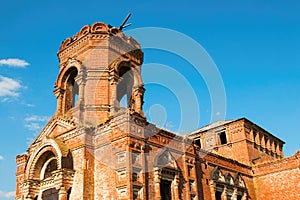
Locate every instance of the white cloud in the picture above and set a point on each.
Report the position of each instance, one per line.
(36, 118)
(29, 105)
(33, 126)
(1, 157)
(35, 122)
(14, 62)
(9, 87)
(7, 195)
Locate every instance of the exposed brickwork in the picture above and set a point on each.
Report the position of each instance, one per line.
(104, 151)
(279, 179)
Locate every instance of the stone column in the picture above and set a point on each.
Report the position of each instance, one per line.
(62, 193)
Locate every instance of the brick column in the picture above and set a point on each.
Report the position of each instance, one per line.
(245, 196)
(138, 99)
(143, 172)
(113, 98)
(59, 94)
(212, 188)
(62, 194)
(224, 193)
(234, 195)
(157, 178)
(176, 187)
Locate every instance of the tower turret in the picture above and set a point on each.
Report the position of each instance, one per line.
(98, 67)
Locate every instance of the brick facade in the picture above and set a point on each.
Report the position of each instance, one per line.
(93, 148)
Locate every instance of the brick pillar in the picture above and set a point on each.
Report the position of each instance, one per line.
(176, 187)
(234, 195)
(157, 178)
(59, 93)
(212, 188)
(81, 85)
(144, 172)
(224, 193)
(138, 100)
(245, 196)
(62, 194)
(113, 97)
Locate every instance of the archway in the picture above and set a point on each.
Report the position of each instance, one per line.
(124, 87)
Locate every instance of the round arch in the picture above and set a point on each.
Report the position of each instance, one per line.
(71, 63)
(122, 63)
(43, 152)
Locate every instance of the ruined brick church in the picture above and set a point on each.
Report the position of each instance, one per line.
(95, 149)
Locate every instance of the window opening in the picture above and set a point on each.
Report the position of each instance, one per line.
(223, 138)
(52, 166)
(198, 143)
(165, 190)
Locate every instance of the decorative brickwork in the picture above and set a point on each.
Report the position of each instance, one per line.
(94, 148)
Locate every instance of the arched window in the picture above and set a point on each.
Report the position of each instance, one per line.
(71, 88)
(235, 186)
(47, 164)
(124, 87)
(50, 167)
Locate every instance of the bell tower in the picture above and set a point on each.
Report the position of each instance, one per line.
(99, 91)
(100, 69)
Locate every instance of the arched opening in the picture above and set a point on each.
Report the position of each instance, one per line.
(50, 167)
(48, 163)
(71, 88)
(124, 87)
(124, 101)
(45, 164)
(235, 186)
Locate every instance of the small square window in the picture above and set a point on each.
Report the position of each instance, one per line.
(223, 138)
(198, 143)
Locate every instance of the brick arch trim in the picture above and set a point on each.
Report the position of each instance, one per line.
(48, 145)
(122, 62)
(71, 63)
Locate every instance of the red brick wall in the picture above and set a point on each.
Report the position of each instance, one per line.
(278, 180)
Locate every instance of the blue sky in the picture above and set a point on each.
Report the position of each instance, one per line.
(254, 44)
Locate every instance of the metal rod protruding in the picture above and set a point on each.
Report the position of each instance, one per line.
(123, 23)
